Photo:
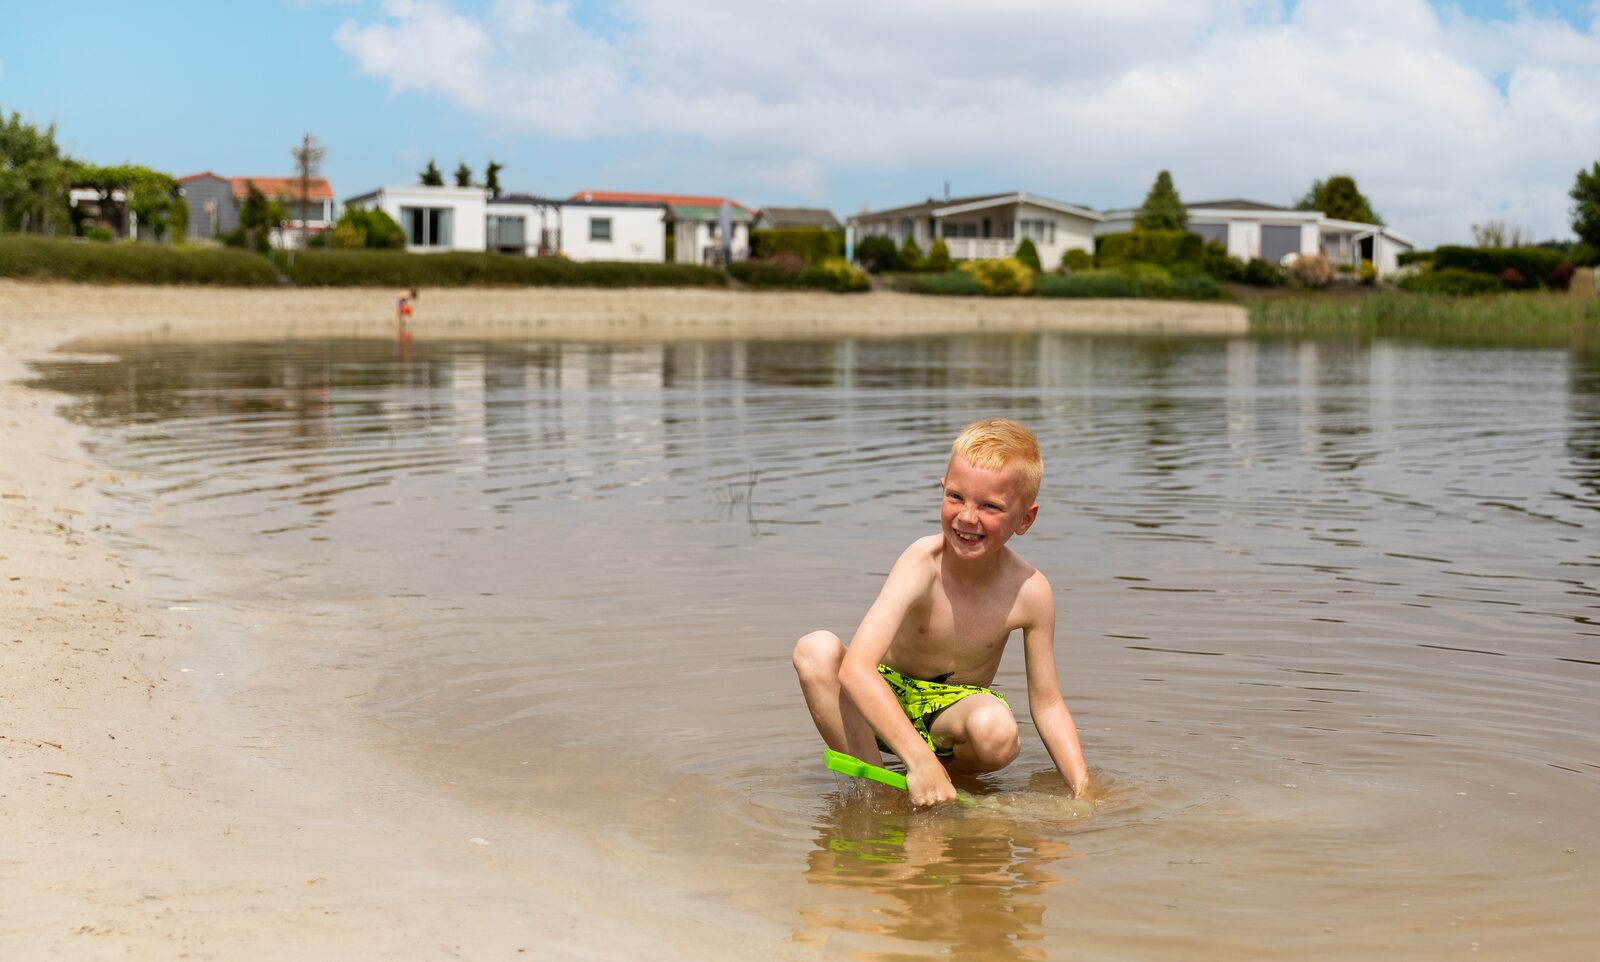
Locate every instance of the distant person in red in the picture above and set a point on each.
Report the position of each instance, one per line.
(402, 313)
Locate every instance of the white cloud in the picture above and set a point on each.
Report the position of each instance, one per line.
(1445, 120)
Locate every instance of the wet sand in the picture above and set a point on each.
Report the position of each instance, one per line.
(147, 818)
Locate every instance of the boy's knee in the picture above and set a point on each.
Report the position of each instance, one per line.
(818, 654)
(992, 733)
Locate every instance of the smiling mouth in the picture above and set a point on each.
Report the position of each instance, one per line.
(965, 538)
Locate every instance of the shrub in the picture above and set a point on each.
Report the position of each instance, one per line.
(938, 256)
(1197, 287)
(811, 244)
(1534, 264)
(1216, 261)
(1161, 247)
(1259, 273)
(102, 234)
(948, 283)
(1077, 259)
(1412, 257)
(1452, 280)
(52, 258)
(1368, 274)
(1561, 277)
(1513, 278)
(1000, 277)
(835, 274)
(910, 255)
(1310, 270)
(1087, 283)
(1029, 255)
(878, 254)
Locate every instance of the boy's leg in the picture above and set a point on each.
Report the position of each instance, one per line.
(982, 732)
(817, 658)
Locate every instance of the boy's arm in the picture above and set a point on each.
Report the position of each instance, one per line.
(910, 580)
(1049, 711)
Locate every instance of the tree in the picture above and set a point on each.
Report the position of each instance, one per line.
(1585, 196)
(1497, 233)
(463, 175)
(151, 196)
(258, 215)
(34, 178)
(911, 254)
(1028, 254)
(431, 177)
(491, 178)
(1339, 198)
(1163, 209)
(307, 165)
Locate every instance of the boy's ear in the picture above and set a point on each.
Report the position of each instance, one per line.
(1027, 519)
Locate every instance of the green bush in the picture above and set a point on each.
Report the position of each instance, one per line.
(911, 255)
(102, 234)
(1259, 273)
(1135, 280)
(1534, 264)
(1452, 280)
(1028, 254)
(1003, 278)
(351, 268)
(786, 272)
(1413, 257)
(938, 256)
(812, 244)
(945, 283)
(878, 254)
(1216, 261)
(1160, 247)
(1197, 287)
(33, 256)
(1368, 273)
(835, 274)
(1077, 259)
(1310, 270)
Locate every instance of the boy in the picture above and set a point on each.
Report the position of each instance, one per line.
(916, 670)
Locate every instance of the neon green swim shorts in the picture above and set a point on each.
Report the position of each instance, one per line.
(922, 700)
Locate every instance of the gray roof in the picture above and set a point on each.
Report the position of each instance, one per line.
(931, 205)
(799, 217)
(1234, 205)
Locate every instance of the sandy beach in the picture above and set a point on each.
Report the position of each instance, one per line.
(147, 819)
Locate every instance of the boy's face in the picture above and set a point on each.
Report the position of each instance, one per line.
(982, 508)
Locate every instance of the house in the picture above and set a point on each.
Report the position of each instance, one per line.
(468, 219)
(987, 226)
(1252, 230)
(695, 222)
(772, 218)
(215, 201)
(433, 218)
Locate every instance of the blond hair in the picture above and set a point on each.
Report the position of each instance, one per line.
(994, 443)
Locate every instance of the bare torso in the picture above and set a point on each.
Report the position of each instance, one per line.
(956, 631)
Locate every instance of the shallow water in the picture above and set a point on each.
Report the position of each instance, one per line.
(1330, 618)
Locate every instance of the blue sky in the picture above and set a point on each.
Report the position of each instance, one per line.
(1448, 114)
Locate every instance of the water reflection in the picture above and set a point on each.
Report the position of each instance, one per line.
(966, 885)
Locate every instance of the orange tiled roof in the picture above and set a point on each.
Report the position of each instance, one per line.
(675, 200)
(282, 187)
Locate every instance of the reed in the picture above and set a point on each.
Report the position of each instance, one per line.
(1542, 318)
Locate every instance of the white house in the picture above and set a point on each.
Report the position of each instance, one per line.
(988, 226)
(434, 218)
(614, 230)
(695, 222)
(1254, 230)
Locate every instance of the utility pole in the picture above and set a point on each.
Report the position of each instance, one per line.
(307, 165)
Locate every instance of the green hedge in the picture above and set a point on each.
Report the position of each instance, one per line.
(811, 244)
(1160, 247)
(946, 283)
(1452, 280)
(831, 274)
(360, 268)
(1535, 264)
(58, 258)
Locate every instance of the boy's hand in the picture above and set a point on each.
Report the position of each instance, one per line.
(929, 785)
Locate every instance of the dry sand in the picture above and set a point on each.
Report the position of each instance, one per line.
(145, 819)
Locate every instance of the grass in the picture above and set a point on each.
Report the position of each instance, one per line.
(1533, 319)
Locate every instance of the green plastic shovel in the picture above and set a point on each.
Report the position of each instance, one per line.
(856, 768)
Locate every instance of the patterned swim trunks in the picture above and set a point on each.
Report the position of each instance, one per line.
(922, 700)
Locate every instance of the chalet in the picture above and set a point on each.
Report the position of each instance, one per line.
(987, 226)
(215, 201)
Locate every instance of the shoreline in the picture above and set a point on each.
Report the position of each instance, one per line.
(146, 820)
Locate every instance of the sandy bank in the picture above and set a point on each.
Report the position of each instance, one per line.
(669, 314)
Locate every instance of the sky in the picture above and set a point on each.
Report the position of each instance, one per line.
(1448, 114)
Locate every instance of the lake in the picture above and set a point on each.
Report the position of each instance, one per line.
(1329, 619)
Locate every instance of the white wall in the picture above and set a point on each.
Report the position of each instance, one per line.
(1072, 233)
(690, 239)
(637, 233)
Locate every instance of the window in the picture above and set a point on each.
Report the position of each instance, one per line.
(506, 232)
(426, 226)
(1042, 231)
(600, 228)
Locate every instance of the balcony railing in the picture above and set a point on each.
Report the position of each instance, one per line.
(980, 248)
